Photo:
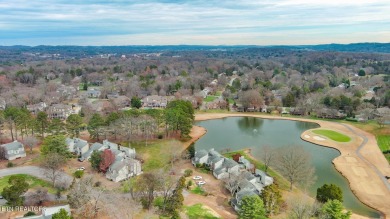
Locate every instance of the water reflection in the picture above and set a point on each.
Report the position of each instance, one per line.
(303, 126)
(250, 125)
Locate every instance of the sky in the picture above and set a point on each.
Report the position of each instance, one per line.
(193, 22)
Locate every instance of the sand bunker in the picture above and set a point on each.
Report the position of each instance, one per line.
(318, 138)
(307, 136)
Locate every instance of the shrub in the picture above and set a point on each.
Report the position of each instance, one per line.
(10, 164)
(187, 173)
(160, 136)
(189, 184)
(98, 184)
(78, 174)
(30, 213)
(158, 202)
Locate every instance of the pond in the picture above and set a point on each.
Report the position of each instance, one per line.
(237, 133)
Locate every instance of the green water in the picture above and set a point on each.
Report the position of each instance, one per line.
(237, 133)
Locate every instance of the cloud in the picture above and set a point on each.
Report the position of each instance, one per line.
(191, 22)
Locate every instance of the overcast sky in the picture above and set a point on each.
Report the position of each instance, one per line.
(193, 22)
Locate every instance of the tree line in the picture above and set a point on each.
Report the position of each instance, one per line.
(175, 120)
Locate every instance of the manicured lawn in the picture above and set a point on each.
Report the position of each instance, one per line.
(31, 180)
(197, 190)
(383, 142)
(335, 136)
(197, 211)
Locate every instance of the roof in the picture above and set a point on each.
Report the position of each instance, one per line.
(244, 192)
(49, 211)
(247, 175)
(80, 143)
(15, 145)
(201, 153)
(229, 163)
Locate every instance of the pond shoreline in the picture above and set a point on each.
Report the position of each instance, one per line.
(361, 181)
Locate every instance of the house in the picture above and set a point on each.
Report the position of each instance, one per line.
(36, 108)
(264, 178)
(382, 112)
(237, 200)
(59, 111)
(245, 164)
(93, 93)
(13, 150)
(123, 169)
(222, 167)
(68, 92)
(125, 165)
(331, 114)
(155, 101)
(297, 111)
(77, 146)
(249, 183)
(112, 95)
(227, 168)
(47, 212)
(200, 157)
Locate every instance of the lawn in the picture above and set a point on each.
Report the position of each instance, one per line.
(335, 136)
(210, 98)
(197, 211)
(383, 142)
(154, 153)
(31, 180)
(197, 190)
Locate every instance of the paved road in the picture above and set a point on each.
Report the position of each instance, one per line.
(34, 171)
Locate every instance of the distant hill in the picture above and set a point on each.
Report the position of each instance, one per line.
(354, 47)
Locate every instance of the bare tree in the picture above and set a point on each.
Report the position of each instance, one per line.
(293, 162)
(31, 142)
(120, 206)
(52, 164)
(231, 183)
(146, 187)
(302, 208)
(267, 156)
(37, 197)
(86, 199)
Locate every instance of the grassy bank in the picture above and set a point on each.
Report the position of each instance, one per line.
(31, 180)
(335, 136)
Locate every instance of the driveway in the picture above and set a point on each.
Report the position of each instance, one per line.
(35, 171)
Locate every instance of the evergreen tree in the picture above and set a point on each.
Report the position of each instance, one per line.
(14, 191)
(96, 159)
(251, 208)
(329, 192)
(333, 209)
(136, 102)
(94, 124)
(62, 214)
(272, 199)
(73, 125)
(55, 144)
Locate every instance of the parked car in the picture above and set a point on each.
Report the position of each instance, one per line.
(197, 177)
(201, 183)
